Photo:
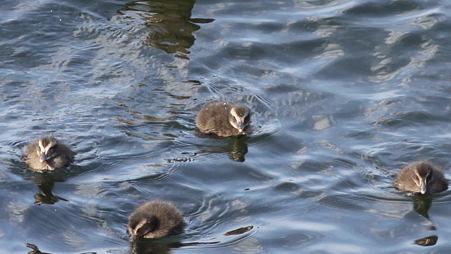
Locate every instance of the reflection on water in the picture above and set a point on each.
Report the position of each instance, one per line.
(427, 241)
(239, 231)
(343, 91)
(162, 246)
(150, 247)
(235, 147)
(45, 183)
(35, 249)
(238, 149)
(422, 204)
(170, 24)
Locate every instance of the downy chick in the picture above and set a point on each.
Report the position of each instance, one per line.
(223, 119)
(155, 219)
(421, 177)
(48, 154)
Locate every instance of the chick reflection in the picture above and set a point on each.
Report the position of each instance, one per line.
(238, 149)
(45, 183)
(34, 249)
(422, 204)
(154, 246)
(427, 241)
(170, 23)
(150, 247)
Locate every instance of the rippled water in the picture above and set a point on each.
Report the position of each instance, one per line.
(343, 94)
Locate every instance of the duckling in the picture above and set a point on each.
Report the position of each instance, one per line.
(421, 177)
(155, 219)
(48, 154)
(223, 119)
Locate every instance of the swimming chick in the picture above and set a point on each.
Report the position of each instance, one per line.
(155, 219)
(223, 119)
(421, 177)
(48, 154)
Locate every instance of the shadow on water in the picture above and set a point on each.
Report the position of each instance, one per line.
(170, 24)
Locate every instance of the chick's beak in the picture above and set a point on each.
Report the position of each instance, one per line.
(423, 186)
(42, 157)
(241, 126)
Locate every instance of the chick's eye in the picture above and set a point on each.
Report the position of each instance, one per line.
(52, 149)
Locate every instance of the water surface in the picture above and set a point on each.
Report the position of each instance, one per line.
(343, 94)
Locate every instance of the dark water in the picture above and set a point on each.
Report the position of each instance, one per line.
(343, 94)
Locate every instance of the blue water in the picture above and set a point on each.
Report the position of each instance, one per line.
(343, 93)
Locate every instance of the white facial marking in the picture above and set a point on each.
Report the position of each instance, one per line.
(421, 182)
(50, 145)
(140, 224)
(235, 123)
(238, 122)
(415, 179)
(233, 113)
(41, 146)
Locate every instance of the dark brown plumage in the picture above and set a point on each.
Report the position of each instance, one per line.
(223, 119)
(47, 154)
(155, 219)
(421, 177)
